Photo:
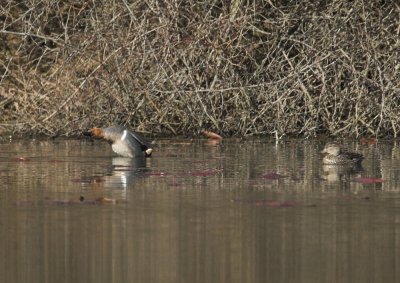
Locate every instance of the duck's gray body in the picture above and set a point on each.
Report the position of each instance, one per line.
(124, 142)
(335, 155)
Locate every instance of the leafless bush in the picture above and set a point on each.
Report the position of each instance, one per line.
(235, 67)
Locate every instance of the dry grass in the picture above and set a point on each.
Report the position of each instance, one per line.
(233, 67)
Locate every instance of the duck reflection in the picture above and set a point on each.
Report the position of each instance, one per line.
(124, 171)
(334, 173)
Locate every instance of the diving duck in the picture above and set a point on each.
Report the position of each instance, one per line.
(124, 142)
(335, 155)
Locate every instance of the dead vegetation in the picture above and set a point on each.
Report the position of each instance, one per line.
(177, 67)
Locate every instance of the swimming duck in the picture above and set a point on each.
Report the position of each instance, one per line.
(124, 142)
(335, 155)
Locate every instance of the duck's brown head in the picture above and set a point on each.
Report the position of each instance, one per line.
(97, 132)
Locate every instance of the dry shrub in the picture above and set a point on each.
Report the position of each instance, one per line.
(176, 67)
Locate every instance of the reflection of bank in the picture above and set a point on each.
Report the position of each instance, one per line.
(125, 171)
(334, 173)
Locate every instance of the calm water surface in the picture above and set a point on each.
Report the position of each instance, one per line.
(242, 211)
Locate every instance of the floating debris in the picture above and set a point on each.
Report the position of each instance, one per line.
(368, 180)
(272, 176)
(369, 141)
(213, 138)
(66, 202)
(105, 200)
(212, 135)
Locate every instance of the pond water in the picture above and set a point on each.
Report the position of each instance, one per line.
(242, 211)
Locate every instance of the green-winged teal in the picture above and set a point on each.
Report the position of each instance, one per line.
(335, 155)
(124, 142)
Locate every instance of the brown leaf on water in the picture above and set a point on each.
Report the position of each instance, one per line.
(368, 180)
(271, 203)
(212, 135)
(272, 176)
(71, 202)
(105, 200)
(369, 141)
